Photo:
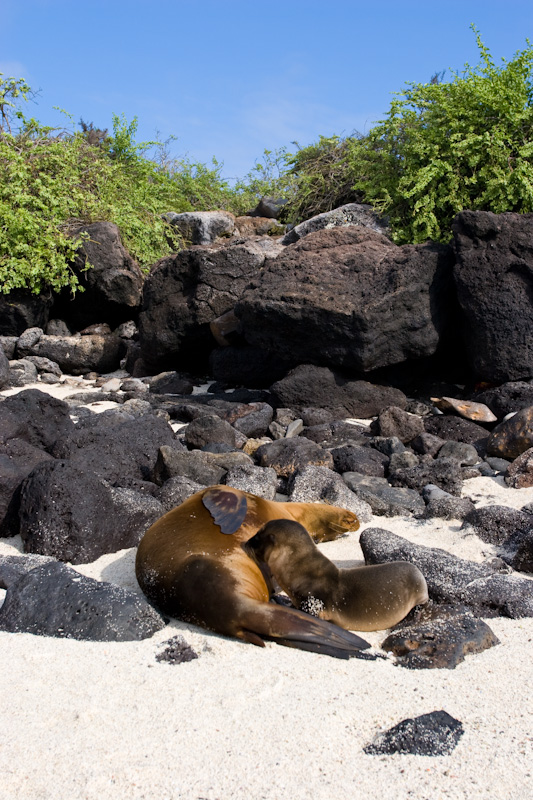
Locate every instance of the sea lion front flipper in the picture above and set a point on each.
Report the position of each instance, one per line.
(228, 508)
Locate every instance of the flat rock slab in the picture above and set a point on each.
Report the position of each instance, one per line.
(433, 734)
(55, 600)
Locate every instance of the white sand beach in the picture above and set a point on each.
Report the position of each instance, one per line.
(98, 720)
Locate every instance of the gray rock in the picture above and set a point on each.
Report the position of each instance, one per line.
(202, 227)
(383, 499)
(319, 484)
(344, 216)
(451, 579)
(460, 451)
(21, 372)
(176, 490)
(434, 734)
(55, 600)
(257, 480)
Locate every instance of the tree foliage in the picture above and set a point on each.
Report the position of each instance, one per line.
(444, 146)
(52, 182)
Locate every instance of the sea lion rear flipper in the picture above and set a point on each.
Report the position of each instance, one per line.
(293, 628)
(228, 508)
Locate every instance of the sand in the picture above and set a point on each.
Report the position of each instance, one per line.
(100, 720)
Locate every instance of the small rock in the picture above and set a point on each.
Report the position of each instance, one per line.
(434, 734)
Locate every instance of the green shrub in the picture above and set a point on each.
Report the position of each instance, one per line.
(449, 146)
(322, 177)
(443, 147)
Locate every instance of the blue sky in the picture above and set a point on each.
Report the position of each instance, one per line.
(232, 77)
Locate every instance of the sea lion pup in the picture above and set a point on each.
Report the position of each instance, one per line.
(191, 565)
(367, 598)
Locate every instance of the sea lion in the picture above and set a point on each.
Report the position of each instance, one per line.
(367, 598)
(191, 565)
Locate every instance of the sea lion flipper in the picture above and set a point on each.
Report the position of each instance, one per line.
(228, 508)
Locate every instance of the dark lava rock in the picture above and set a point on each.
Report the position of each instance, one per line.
(512, 437)
(519, 474)
(170, 383)
(446, 506)
(4, 369)
(494, 279)
(427, 444)
(444, 472)
(462, 452)
(457, 429)
(507, 398)
(394, 421)
(55, 600)
(176, 490)
(351, 298)
(21, 309)
(364, 460)
(247, 366)
(112, 285)
(118, 452)
(451, 579)
(337, 433)
(14, 567)
(209, 429)
(383, 499)
(496, 524)
(195, 465)
(319, 484)
(307, 385)
(187, 291)
(43, 419)
(256, 422)
(440, 642)
(434, 734)
(17, 459)
(177, 651)
(286, 456)
(261, 481)
(522, 559)
(75, 516)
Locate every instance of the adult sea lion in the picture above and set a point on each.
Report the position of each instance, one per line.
(191, 565)
(367, 598)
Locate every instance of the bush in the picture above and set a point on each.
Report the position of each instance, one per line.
(51, 182)
(443, 147)
(323, 177)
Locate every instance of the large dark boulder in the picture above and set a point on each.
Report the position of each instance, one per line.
(36, 417)
(119, 452)
(73, 515)
(17, 459)
(55, 600)
(4, 369)
(187, 291)
(112, 285)
(308, 385)
(494, 279)
(350, 298)
(20, 309)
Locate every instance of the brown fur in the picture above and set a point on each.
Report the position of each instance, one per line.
(367, 598)
(191, 570)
